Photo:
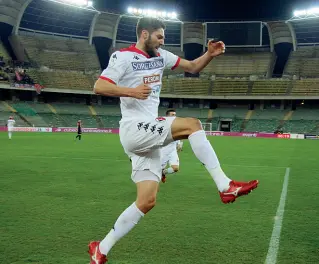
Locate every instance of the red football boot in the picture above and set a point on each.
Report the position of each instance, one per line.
(96, 257)
(163, 177)
(237, 189)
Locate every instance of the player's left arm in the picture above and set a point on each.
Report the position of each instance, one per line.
(214, 49)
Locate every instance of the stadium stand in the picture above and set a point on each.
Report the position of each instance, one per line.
(60, 62)
(61, 53)
(6, 110)
(304, 62)
(230, 87)
(63, 79)
(68, 62)
(300, 126)
(189, 86)
(303, 120)
(266, 120)
(270, 87)
(227, 112)
(242, 120)
(305, 87)
(240, 64)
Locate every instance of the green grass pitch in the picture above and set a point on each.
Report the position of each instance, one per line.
(56, 195)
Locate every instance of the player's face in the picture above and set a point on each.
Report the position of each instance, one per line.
(154, 42)
(171, 114)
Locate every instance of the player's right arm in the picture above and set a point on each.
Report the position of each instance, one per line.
(107, 83)
(106, 88)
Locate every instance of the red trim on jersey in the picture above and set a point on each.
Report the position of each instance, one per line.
(177, 63)
(133, 48)
(107, 79)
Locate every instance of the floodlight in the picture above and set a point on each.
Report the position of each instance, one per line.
(313, 11)
(308, 12)
(77, 2)
(151, 13)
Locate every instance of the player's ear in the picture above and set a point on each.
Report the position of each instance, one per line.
(145, 34)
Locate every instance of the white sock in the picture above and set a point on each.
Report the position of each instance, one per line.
(10, 134)
(204, 151)
(125, 223)
(169, 170)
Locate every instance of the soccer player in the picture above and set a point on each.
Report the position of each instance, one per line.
(134, 74)
(79, 133)
(169, 154)
(10, 125)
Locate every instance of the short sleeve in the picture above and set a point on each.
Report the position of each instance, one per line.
(116, 68)
(171, 60)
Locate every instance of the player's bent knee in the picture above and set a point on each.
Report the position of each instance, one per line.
(183, 127)
(194, 125)
(147, 204)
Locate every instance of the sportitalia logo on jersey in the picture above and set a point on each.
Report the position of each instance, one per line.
(148, 65)
(152, 79)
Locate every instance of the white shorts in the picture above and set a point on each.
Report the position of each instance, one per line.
(142, 140)
(10, 129)
(170, 159)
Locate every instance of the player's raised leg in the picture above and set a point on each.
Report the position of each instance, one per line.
(191, 128)
(147, 187)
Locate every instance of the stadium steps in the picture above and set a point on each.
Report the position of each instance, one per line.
(4, 116)
(9, 107)
(287, 117)
(209, 118)
(13, 110)
(24, 119)
(30, 113)
(289, 89)
(210, 115)
(22, 109)
(97, 118)
(57, 117)
(51, 107)
(247, 117)
(250, 87)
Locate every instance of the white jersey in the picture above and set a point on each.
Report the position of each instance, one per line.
(131, 67)
(11, 123)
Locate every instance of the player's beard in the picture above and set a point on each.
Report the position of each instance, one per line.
(150, 50)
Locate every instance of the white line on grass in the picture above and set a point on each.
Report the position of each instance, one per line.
(275, 236)
(125, 160)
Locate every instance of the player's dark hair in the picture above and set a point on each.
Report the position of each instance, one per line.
(170, 111)
(150, 24)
